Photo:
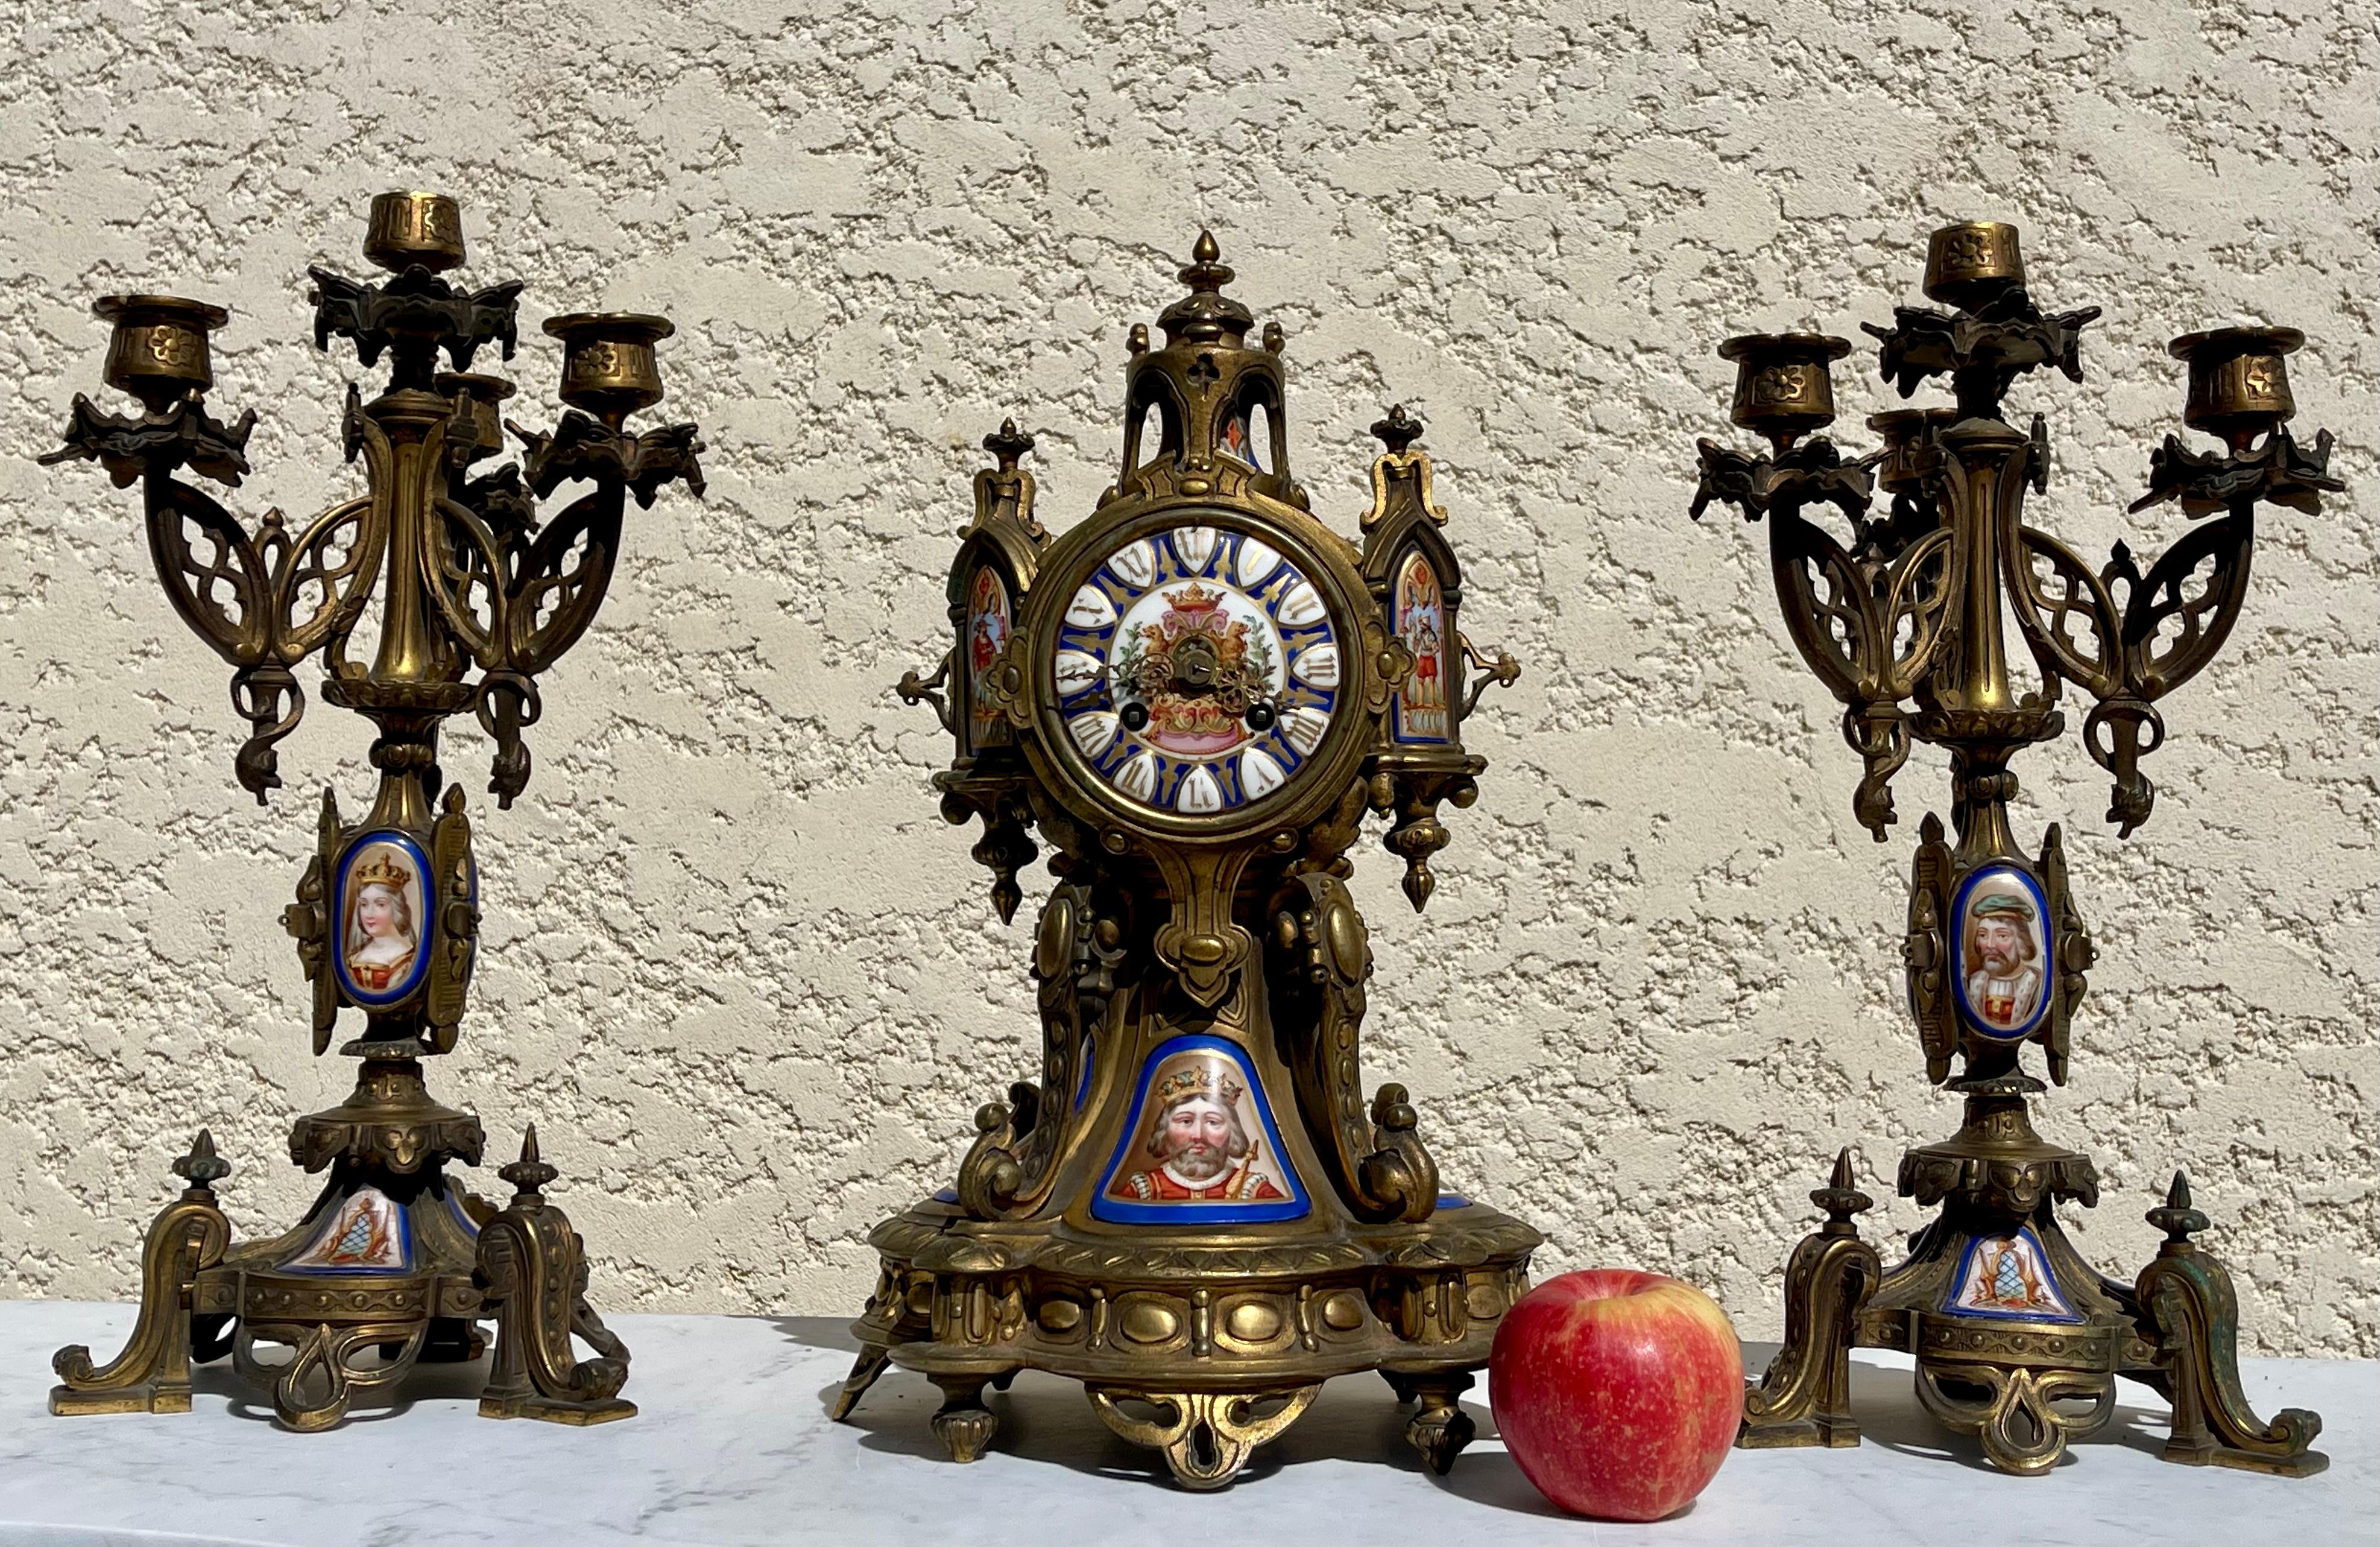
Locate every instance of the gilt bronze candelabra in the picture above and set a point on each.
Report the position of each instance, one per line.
(1195, 695)
(2016, 1338)
(396, 1261)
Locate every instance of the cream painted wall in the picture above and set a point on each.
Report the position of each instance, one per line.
(736, 968)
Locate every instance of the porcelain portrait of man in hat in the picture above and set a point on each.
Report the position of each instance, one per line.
(2003, 957)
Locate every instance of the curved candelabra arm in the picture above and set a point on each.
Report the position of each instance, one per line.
(2175, 620)
(2177, 615)
(322, 580)
(2068, 614)
(562, 580)
(235, 589)
(1827, 604)
(521, 604)
(216, 575)
(1917, 595)
(465, 567)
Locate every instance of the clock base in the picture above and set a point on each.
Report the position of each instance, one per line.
(1201, 1344)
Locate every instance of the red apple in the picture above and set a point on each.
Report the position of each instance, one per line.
(1618, 1392)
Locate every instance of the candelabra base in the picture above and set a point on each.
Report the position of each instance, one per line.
(388, 1269)
(2017, 1339)
(1201, 1349)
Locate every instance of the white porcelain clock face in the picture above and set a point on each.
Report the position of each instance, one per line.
(1196, 670)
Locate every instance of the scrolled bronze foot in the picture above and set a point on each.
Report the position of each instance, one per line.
(2189, 1309)
(532, 1268)
(1207, 1436)
(153, 1373)
(1803, 1398)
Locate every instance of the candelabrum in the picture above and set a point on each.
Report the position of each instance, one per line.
(396, 1261)
(1195, 695)
(2017, 1339)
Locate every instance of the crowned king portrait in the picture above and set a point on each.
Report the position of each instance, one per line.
(1196, 1145)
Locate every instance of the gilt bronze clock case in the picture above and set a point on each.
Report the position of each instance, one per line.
(1196, 696)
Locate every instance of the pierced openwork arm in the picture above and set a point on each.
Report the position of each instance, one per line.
(518, 598)
(1870, 630)
(261, 601)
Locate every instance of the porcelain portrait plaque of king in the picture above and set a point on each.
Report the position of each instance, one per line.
(1196, 670)
(1200, 1143)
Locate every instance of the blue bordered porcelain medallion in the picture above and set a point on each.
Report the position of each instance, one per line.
(386, 900)
(2008, 1278)
(1200, 1144)
(1196, 670)
(1999, 927)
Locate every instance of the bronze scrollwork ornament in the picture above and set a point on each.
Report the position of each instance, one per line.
(2017, 1339)
(396, 1262)
(1196, 696)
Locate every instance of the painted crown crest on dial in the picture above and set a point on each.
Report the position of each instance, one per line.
(1197, 669)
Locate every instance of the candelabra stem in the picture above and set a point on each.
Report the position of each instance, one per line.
(1983, 477)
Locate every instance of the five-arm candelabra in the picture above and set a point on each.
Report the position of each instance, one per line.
(2016, 1337)
(396, 1261)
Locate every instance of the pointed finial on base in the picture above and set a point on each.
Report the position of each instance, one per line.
(1398, 430)
(1204, 315)
(1207, 273)
(202, 1167)
(2175, 1216)
(528, 1175)
(1008, 444)
(1842, 1196)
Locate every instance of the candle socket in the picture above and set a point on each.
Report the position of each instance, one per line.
(2239, 381)
(159, 351)
(1973, 263)
(608, 367)
(414, 230)
(1783, 386)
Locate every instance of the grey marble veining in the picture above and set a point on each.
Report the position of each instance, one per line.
(733, 1446)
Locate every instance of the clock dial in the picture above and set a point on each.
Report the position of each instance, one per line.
(1196, 670)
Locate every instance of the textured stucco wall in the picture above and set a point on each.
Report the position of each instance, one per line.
(736, 967)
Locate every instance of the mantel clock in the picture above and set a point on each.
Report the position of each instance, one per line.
(1196, 696)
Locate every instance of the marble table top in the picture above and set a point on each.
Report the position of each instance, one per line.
(732, 1445)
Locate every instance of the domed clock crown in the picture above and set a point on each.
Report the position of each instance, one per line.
(1195, 696)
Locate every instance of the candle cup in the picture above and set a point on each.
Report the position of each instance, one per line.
(1971, 263)
(1910, 453)
(2239, 381)
(608, 367)
(477, 415)
(414, 230)
(1783, 386)
(159, 353)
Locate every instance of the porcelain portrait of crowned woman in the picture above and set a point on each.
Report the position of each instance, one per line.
(381, 920)
(1200, 1141)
